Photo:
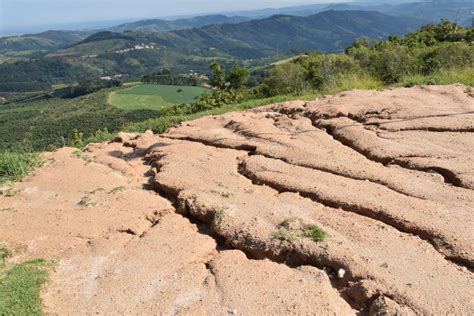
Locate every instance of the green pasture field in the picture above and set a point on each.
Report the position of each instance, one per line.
(154, 97)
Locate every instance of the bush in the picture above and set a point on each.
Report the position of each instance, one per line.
(101, 135)
(323, 70)
(428, 51)
(293, 229)
(77, 139)
(288, 78)
(393, 63)
(217, 99)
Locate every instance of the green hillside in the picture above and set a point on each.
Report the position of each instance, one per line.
(44, 122)
(32, 46)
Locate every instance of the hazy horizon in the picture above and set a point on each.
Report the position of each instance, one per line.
(38, 15)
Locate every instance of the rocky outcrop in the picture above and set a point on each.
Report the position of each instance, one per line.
(359, 202)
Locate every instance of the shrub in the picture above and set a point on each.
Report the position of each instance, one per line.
(237, 77)
(77, 139)
(324, 69)
(288, 78)
(101, 135)
(206, 102)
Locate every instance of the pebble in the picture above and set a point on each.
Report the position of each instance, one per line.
(341, 273)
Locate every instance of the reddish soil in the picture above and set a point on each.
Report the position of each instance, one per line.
(201, 220)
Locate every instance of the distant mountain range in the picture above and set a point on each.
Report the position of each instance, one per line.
(53, 40)
(457, 11)
(33, 44)
(428, 10)
(329, 31)
(158, 25)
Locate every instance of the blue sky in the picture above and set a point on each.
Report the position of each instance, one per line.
(24, 13)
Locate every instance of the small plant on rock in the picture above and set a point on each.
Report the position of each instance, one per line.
(293, 228)
(4, 255)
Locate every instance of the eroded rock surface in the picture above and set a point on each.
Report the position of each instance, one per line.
(360, 202)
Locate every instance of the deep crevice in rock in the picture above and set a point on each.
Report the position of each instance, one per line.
(287, 256)
(399, 225)
(448, 176)
(252, 150)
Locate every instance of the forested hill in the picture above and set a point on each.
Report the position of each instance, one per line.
(159, 25)
(329, 31)
(45, 41)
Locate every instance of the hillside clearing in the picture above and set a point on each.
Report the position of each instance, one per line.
(154, 97)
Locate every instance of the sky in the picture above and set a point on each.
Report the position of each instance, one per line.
(29, 13)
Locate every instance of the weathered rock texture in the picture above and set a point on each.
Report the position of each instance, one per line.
(387, 175)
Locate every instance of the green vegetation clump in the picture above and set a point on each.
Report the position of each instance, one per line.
(235, 79)
(293, 229)
(20, 285)
(436, 54)
(80, 155)
(166, 77)
(15, 166)
(5, 253)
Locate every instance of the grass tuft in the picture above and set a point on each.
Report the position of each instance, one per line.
(219, 218)
(442, 77)
(80, 155)
(20, 286)
(86, 202)
(117, 189)
(316, 233)
(5, 253)
(15, 166)
(292, 229)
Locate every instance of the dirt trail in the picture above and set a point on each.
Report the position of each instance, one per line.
(207, 218)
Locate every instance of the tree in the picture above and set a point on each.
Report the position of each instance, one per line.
(288, 78)
(470, 35)
(218, 78)
(237, 77)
